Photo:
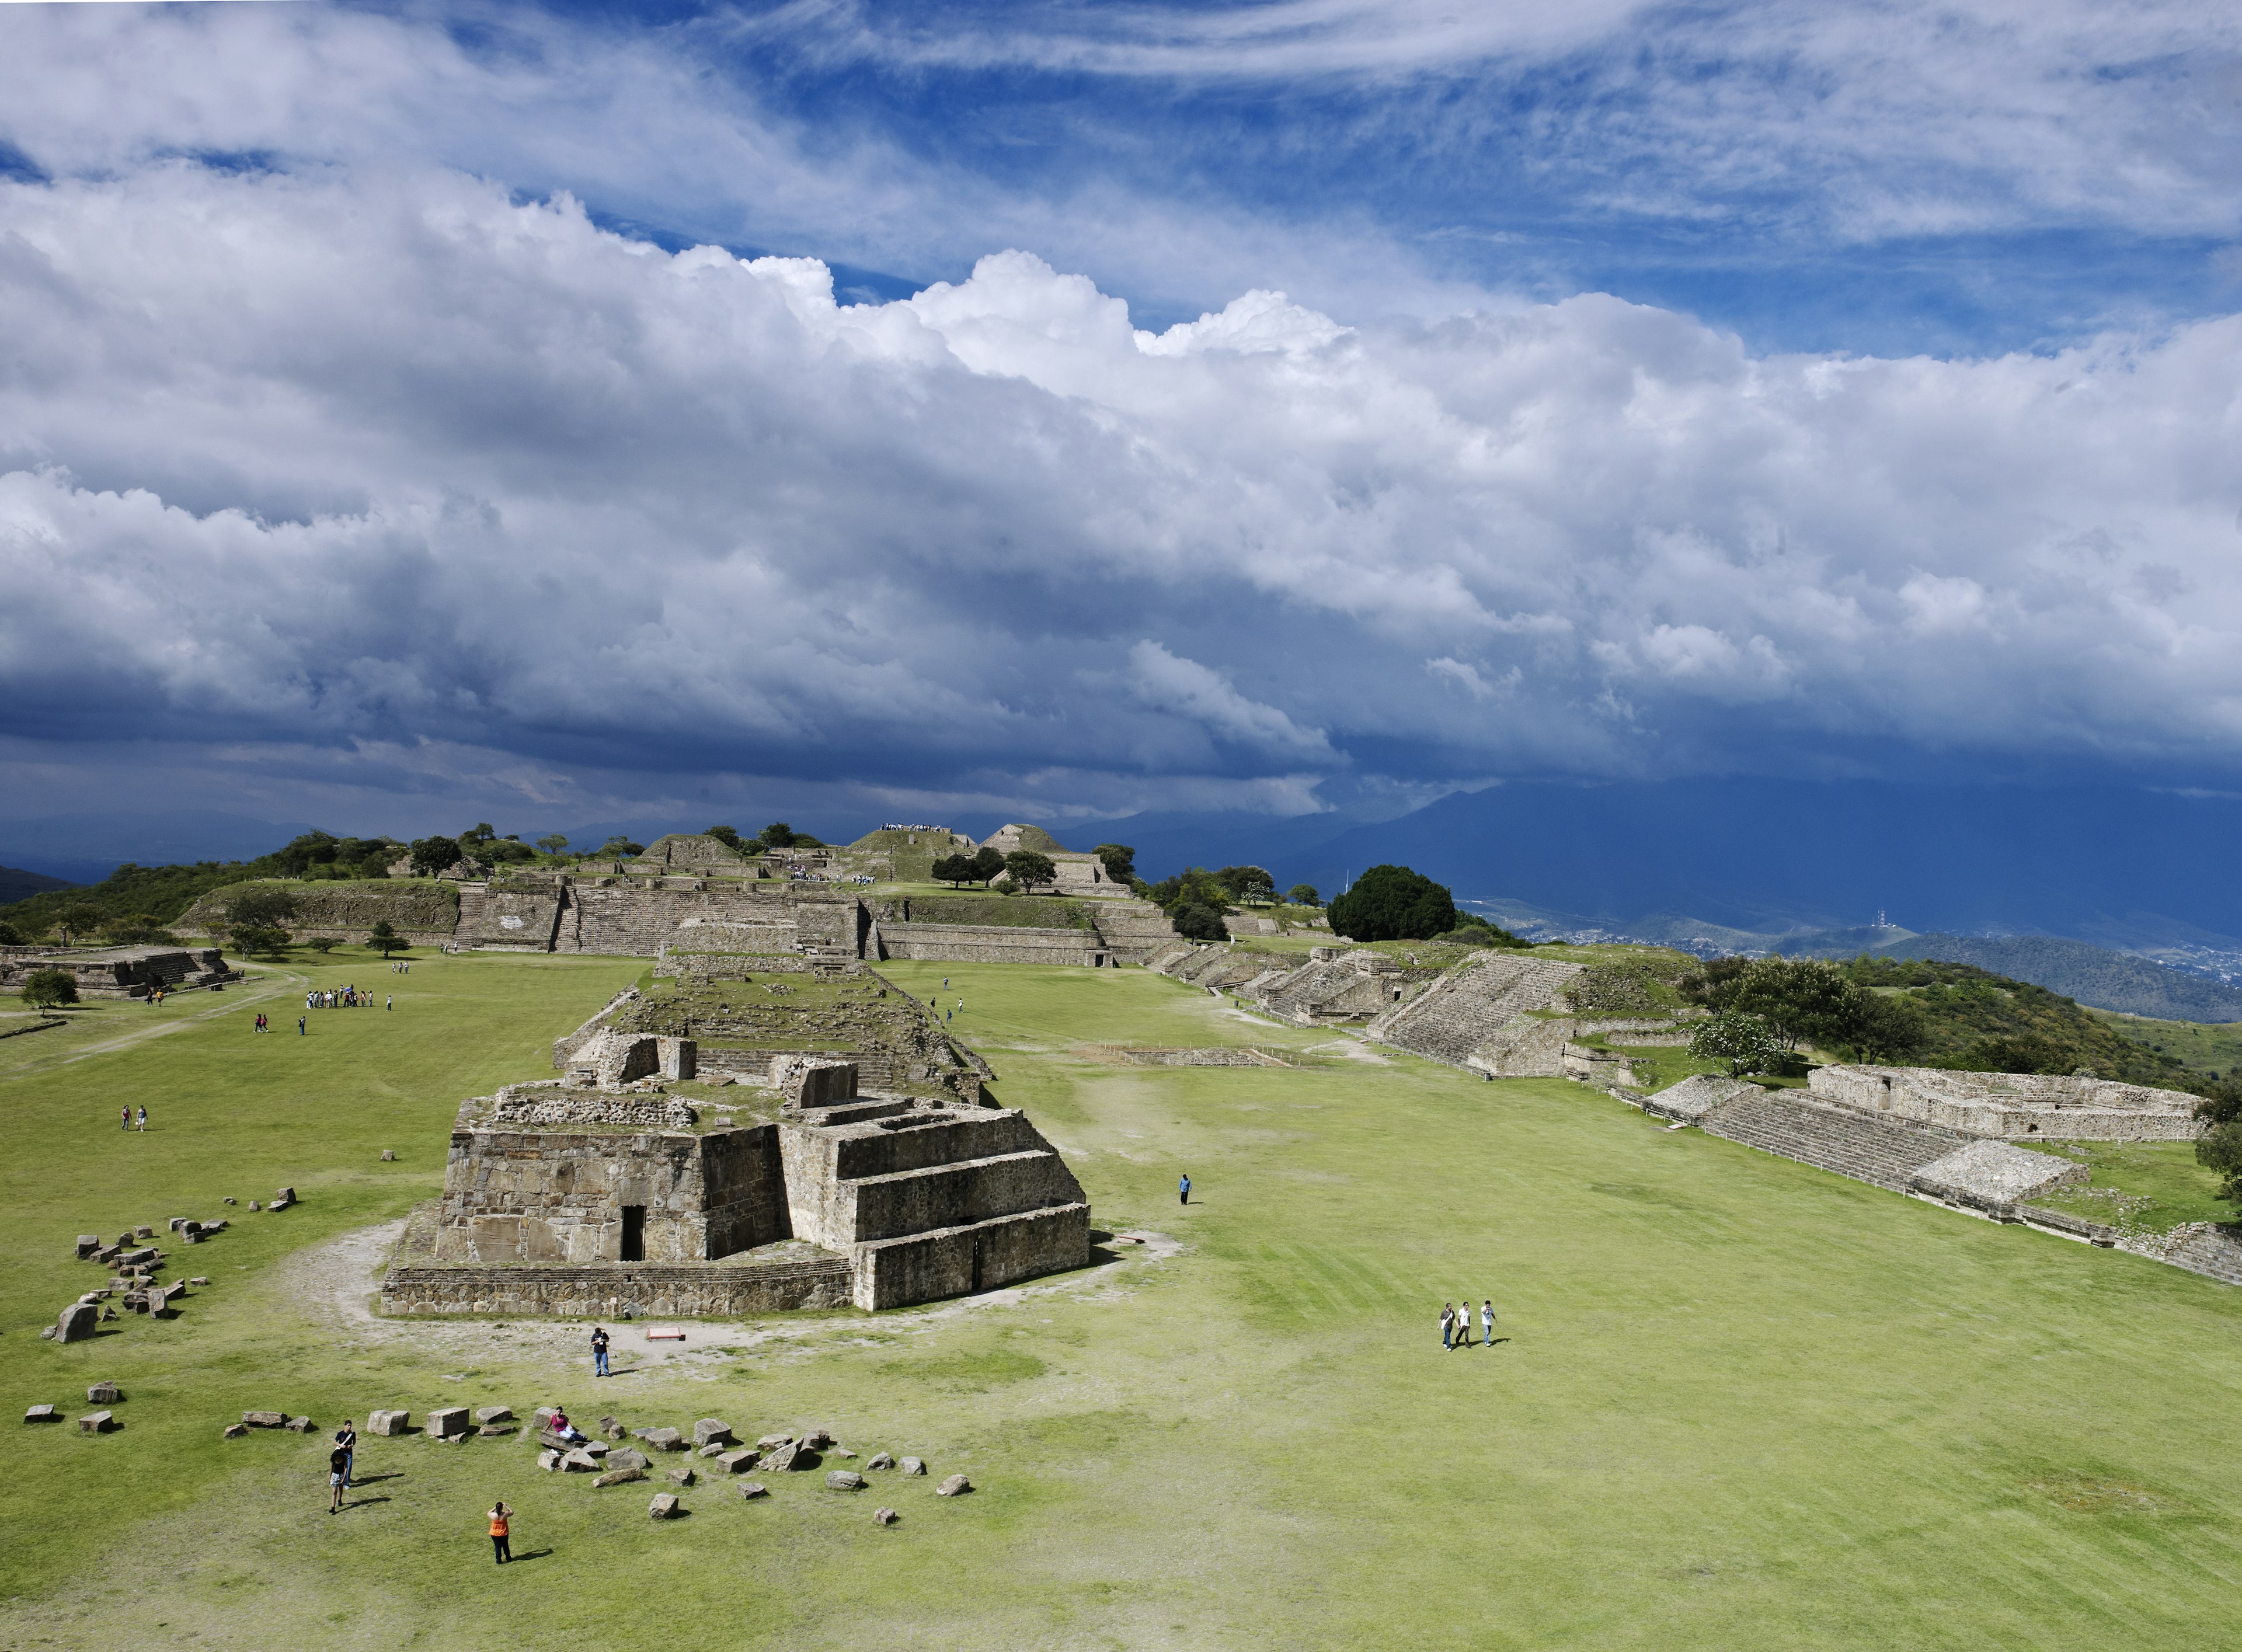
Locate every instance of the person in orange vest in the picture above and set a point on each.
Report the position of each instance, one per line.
(501, 1519)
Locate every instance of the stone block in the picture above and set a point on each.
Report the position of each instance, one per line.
(739, 1461)
(284, 1198)
(388, 1422)
(96, 1422)
(76, 1323)
(579, 1461)
(681, 1476)
(619, 1477)
(542, 1415)
(548, 1460)
(610, 1429)
(495, 1430)
(780, 1458)
(626, 1458)
(445, 1421)
(709, 1432)
(387, 1155)
(103, 1394)
(772, 1442)
(664, 1438)
(845, 1480)
(955, 1485)
(914, 1465)
(41, 1414)
(494, 1414)
(753, 1488)
(87, 1244)
(199, 1281)
(143, 1231)
(816, 1440)
(880, 1460)
(665, 1506)
(299, 1424)
(264, 1419)
(235, 1431)
(229, 1201)
(885, 1516)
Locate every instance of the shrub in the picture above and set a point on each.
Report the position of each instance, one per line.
(322, 945)
(260, 908)
(1393, 903)
(433, 855)
(1005, 886)
(1195, 921)
(2219, 1149)
(46, 989)
(250, 939)
(1742, 1041)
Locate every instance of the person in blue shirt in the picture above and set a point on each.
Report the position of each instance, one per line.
(1183, 1191)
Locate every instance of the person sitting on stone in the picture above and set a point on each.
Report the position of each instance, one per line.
(566, 1430)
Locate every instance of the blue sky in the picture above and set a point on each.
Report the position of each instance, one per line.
(1061, 410)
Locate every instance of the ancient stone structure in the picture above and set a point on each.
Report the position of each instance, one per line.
(586, 1199)
(118, 972)
(2011, 1106)
(1992, 1176)
(1455, 1019)
(1078, 874)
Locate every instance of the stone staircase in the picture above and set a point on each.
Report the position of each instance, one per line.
(1886, 1152)
(930, 1202)
(1464, 1009)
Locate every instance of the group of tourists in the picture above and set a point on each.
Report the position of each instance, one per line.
(1455, 1324)
(124, 1117)
(339, 998)
(400, 966)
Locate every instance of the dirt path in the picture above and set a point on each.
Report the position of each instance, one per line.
(253, 991)
(335, 1284)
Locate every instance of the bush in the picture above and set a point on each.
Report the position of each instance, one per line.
(1005, 886)
(1303, 895)
(2219, 1149)
(322, 945)
(432, 856)
(251, 939)
(1393, 903)
(1742, 1041)
(1195, 921)
(47, 989)
(260, 908)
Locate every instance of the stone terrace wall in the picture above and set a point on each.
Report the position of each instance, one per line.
(2012, 1105)
(992, 943)
(712, 1291)
(630, 917)
(1469, 1004)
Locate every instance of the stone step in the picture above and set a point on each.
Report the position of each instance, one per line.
(1886, 1153)
(969, 1256)
(917, 1139)
(939, 1196)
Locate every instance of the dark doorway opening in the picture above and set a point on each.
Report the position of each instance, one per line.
(976, 1266)
(633, 1232)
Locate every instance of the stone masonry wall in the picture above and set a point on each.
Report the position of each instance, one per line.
(688, 1291)
(991, 943)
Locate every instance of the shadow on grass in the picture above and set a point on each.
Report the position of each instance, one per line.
(362, 1502)
(375, 1479)
(531, 1554)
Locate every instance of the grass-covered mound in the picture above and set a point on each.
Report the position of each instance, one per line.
(411, 906)
(1740, 1403)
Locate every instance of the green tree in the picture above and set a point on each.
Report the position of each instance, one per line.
(251, 940)
(1801, 1000)
(987, 862)
(134, 928)
(432, 856)
(75, 919)
(50, 989)
(553, 843)
(1120, 863)
(1887, 1029)
(1742, 1041)
(322, 945)
(955, 870)
(260, 907)
(728, 835)
(1196, 921)
(384, 938)
(1304, 895)
(777, 835)
(481, 832)
(1248, 885)
(1393, 903)
(2219, 1149)
(620, 848)
(1027, 868)
(10, 936)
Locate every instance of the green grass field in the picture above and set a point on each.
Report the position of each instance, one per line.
(1738, 1403)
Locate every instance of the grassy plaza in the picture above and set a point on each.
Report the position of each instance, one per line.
(1735, 1402)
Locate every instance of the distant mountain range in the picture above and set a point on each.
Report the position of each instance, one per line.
(16, 884)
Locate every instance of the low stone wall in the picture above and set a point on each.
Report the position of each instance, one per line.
(1215, 1055)
(2011, 1106)
(1992, 1176)
(687, 1291)
(551, 1110)
(992, 944)
(680, 965)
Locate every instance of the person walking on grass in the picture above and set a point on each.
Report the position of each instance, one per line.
(124, 1119)
(1463, 1325)
(1485, 1321)
(144, 1118)
(1183, 1191)
(299, 1027)
(338, 1475)
(347, 1440)
(501, 1519)
(1447, 1325)
(598, 1351)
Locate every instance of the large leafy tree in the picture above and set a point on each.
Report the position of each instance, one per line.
(384, 938)
(956, 869)
(433, 855)
(1393, 903)
(1742, 1041)
(1029, 868)
(1120, 861)
(1250, 885)
(987, 862)
(47, 989)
